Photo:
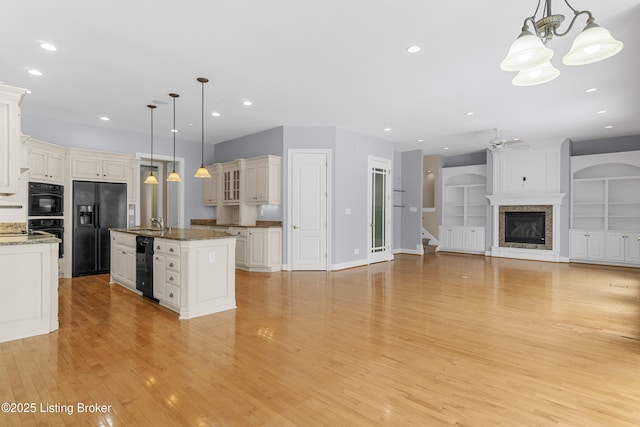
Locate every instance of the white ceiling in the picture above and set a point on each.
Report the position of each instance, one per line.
(317, 63)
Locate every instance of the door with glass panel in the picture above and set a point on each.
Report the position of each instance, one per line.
(379, 235)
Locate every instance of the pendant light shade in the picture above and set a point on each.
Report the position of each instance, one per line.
(151, 179)
(174, 176)
(202, 172)
(526, 52)
(536, 76)
(593, 44)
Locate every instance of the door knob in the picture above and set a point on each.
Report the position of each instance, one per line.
(295, 227)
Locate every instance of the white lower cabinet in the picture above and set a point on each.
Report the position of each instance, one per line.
(167, 272)
(608, 247)
(587, 244)
(123, 259)
(623, 247)
(462, 239)
(257, 248)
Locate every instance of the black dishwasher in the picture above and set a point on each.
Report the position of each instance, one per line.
(144, 266)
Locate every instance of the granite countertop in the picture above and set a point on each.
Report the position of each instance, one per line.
(39, 237)
(176, 233)
(259, 224)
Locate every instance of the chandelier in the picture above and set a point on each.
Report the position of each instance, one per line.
(530, 57)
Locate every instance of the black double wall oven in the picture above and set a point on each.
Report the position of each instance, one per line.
(46, 210)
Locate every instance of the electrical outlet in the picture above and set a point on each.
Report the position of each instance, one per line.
(212, 257)
(356, 251)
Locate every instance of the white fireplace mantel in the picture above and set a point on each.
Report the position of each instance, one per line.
(518, 199)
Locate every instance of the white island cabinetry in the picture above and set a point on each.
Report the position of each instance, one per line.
(193, 274)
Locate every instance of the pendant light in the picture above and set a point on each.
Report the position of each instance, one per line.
(173, 176)
(530, 56)
(151, 179)
(202, 172)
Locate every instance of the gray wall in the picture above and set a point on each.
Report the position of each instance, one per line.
(351, 183)
(411, 222)
(103, 138)
(606, 145)
(257, 144)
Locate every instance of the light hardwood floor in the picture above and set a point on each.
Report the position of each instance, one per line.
(438, 340)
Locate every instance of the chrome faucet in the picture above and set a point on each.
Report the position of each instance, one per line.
(157, 222)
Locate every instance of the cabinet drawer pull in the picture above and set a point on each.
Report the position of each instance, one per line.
(124, 252)
(171, 278)
(171, 295)
(170, 249)
(158, 247)
(171, 265)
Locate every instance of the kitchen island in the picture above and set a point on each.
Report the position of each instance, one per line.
(29, 285)
(193, 270)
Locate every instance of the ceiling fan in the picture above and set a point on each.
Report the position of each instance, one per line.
(498, 143)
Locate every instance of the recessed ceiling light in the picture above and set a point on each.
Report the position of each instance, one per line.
(414, 49)
(190, 124)
(387, 129)
(104, 118)
(428, 171)
(48, 46)
(421, 140)
(215, 114)
(601, 112)
(247, 103)
(445, 148)
(28, 91)
(608, 127)
(34, 72)
(591, 90)
(174, 130)
(471, 113)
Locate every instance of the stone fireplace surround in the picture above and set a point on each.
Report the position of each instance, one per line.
(548, 226)
(548, 252)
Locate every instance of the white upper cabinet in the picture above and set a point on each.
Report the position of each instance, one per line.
(97, 166)
(46, 161)
(210, 186)
(263, 180)
(10, 98)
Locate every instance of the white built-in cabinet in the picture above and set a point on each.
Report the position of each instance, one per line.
(133, 180)
(464, 209)
(605, 208)
(46, 161)
(10, 148)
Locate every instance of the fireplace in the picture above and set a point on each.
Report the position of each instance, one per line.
(526, 226)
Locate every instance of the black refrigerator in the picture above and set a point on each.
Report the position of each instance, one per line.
(97, 206)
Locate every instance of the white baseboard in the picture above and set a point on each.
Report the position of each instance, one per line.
(350, 264)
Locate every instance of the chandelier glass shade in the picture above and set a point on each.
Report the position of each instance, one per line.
(202, 172)
(151, 179)
(174, 176)
(530, 56)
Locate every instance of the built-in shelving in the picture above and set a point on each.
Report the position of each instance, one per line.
(464, 204)
(605, 207)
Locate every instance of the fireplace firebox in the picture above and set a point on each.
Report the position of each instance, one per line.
(525, 227)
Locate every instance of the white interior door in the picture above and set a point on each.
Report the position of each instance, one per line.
(379, 236)
(308, 175)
